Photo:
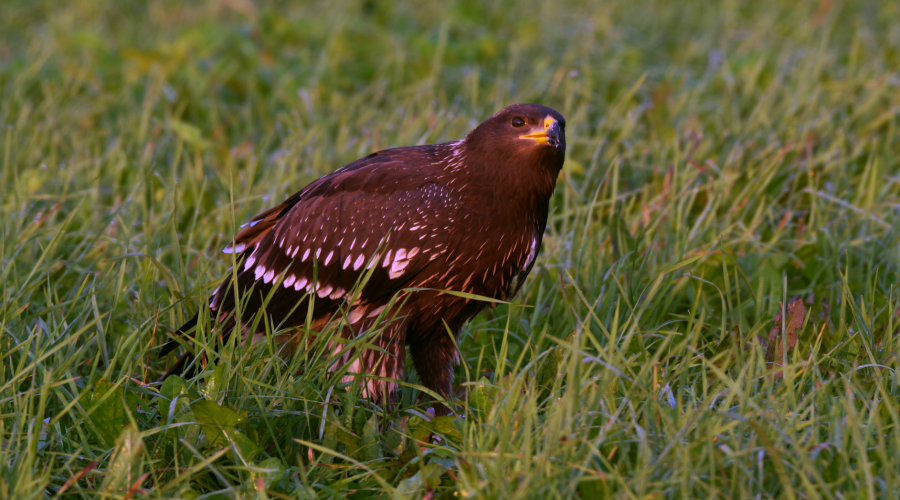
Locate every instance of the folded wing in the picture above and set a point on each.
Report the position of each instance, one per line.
(379, 213)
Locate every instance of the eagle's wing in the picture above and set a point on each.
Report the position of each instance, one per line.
(379, 213)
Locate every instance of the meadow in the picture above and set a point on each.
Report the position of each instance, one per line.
(714, 312)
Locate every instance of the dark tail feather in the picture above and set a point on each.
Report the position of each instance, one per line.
(171, 345)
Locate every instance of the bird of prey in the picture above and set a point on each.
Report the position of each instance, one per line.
(465, 216)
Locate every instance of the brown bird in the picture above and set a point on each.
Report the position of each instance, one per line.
(465, 216)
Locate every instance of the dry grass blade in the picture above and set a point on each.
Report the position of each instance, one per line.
(777, 343)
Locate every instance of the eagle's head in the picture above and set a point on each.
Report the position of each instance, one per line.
(524, 133)
(521, 143)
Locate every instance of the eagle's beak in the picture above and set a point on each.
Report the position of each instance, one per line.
(548, 135)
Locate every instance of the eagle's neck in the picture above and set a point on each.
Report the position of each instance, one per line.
(510, 200)
(515, 185)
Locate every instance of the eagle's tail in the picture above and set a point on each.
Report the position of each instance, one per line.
(179, 367)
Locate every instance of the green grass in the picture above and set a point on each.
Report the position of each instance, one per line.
(724, 158)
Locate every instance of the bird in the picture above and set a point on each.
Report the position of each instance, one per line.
(430, 226)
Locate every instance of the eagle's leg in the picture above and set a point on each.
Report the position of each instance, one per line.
(385, 360)
(434, 356)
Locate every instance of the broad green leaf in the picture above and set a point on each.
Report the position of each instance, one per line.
(108, 414)
(246, 447)
(427, 477)
(271, 470)
(371, 441)
(418, 428)
(448, 427)
(125, 466)
(220, 424)
(305, 493)
(329, 441)
(216, 384)
(173, 390)
(215, 419)
(395, 439)
(133, 401)
(348, 439)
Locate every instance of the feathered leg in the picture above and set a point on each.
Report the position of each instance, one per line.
(434, 357)
(385, 359)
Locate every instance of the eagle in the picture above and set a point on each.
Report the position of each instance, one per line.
(428, 227)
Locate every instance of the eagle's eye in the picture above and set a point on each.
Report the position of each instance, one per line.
(518, 122)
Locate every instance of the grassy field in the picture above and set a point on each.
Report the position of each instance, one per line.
(713, 313)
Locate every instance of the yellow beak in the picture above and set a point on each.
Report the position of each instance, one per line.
(549, 134)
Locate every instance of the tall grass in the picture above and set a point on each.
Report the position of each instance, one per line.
(724, 160)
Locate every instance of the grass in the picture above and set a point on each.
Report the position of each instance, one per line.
(724, 160)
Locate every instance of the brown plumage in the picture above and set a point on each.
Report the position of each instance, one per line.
(466, 216)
